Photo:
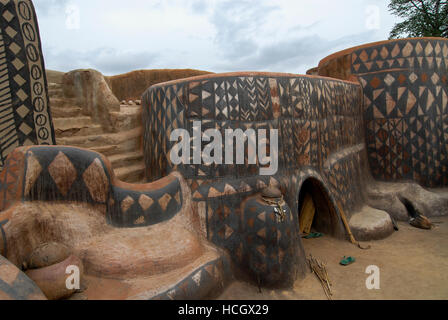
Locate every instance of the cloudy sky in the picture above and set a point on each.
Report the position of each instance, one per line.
(117, 36)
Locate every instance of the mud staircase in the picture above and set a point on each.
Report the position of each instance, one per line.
(123, 148)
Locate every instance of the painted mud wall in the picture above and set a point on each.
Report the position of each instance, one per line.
(131, 85)
(61, 173)
(46, 183)
(320, 128)
(405, 106)
(321, 143)
(25, 117)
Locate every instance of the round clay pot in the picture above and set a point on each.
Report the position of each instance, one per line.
(52, 279)
(15, 285)
(271, 192)
(269, 246)
(48, 254)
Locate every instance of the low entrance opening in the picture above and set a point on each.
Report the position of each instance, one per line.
(316, 212)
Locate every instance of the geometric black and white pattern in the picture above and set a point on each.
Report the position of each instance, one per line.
(24, 106)
(312, 119)
(405, 109)
(63, 173)
(319, 122)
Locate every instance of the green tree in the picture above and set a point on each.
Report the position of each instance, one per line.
(422, 18)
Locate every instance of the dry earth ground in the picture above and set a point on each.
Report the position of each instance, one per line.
(413, 265)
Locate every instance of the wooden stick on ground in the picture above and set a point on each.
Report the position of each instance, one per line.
(347, 227)
(318, 268)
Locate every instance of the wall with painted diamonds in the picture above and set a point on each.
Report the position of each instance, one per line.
(405, 106)
(320, 136)
(25, 117)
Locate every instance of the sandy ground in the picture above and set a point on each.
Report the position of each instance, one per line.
(413, 265)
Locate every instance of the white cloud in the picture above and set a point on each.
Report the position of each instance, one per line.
(109, 60)
(214, 35)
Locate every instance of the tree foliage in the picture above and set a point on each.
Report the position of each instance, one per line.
(422, 18)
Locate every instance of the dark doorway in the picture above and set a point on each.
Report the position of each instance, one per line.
(325, 218)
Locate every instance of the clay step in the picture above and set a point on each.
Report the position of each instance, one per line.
(52, 85)
(125, 141)
(102, 146)
(125, 159)
(72, 123)
(130, 109)
(208, 269)
(72, 132)
(114, 149)
(131, 173)
(128, 118)
(62, 102)
(106, 150)
(56, 93)
(65, 112)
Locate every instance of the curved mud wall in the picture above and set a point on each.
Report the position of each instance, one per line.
(319, 122)
(17, 285)
(70, 174)
(405, 106)
(25, 117)
(93, 94)
(131, 85)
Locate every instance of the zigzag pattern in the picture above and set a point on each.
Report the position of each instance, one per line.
(407, 54)
(257, 102)
(248, 95)
(264, 102)
(310, 114)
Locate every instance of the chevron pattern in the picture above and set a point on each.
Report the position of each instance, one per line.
(318, 123)
(406, 54)
(248, 96)
(325, 108)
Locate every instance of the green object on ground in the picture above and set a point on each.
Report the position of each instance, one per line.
(314, 235)
(347, 260)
